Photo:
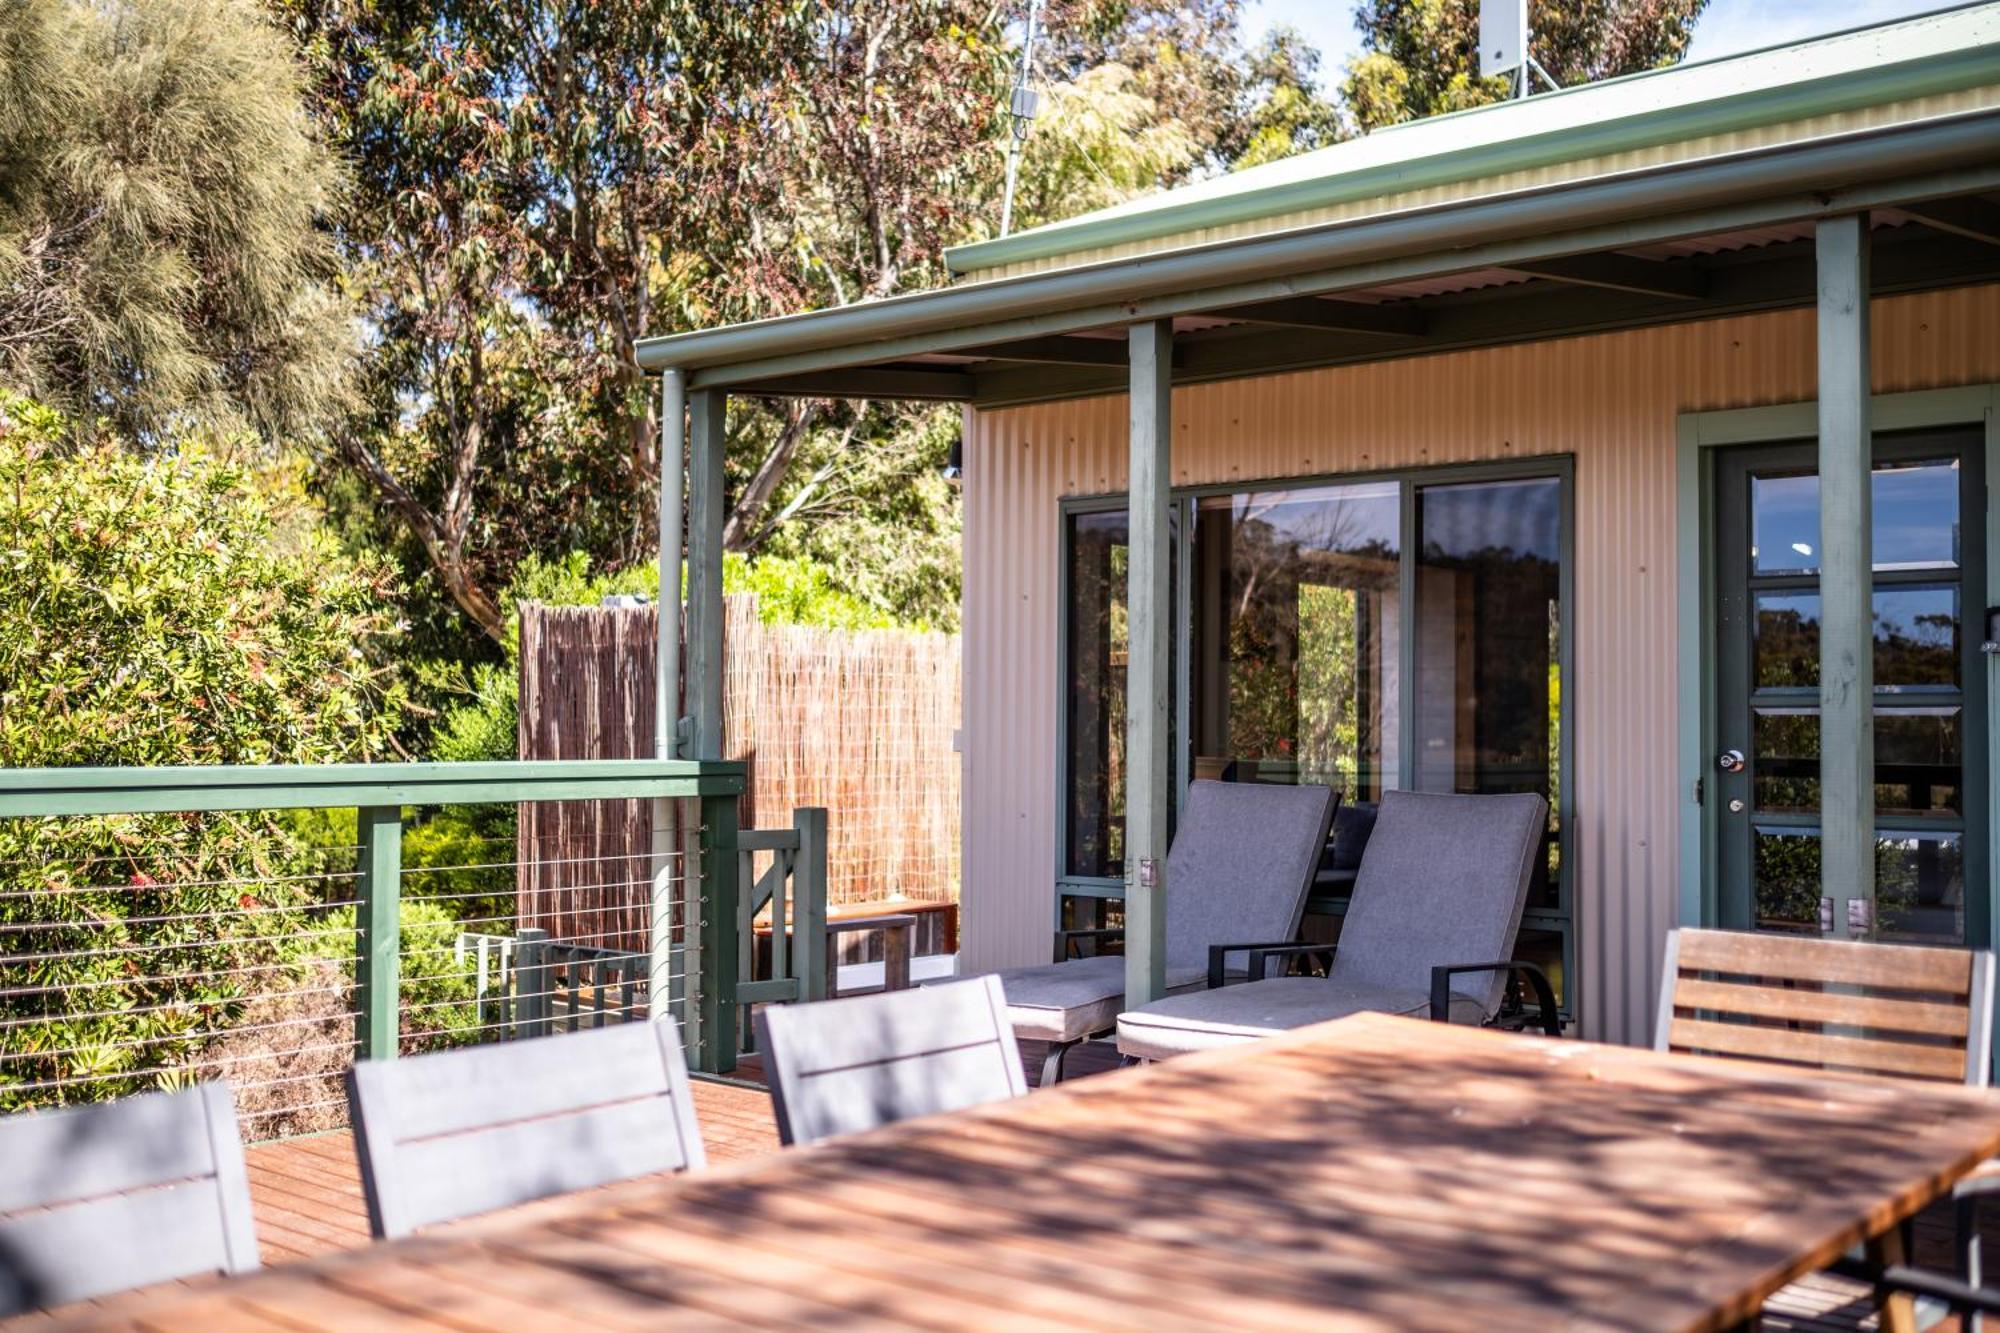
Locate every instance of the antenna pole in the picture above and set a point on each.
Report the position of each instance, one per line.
(1021, 107)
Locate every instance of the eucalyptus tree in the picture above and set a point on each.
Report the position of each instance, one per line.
(1420, 57)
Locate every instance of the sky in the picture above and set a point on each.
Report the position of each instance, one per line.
(1725, 28)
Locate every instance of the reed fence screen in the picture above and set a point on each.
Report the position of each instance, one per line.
(861, 722)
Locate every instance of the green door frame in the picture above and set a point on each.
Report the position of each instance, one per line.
(1700, 435)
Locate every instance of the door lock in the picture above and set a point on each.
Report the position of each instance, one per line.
(1730, 761)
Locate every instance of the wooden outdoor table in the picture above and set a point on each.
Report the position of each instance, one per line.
(1371, 1173)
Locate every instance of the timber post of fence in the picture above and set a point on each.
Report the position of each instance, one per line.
(717, 926)
(378, 929)
(533, 984)
(809, 902)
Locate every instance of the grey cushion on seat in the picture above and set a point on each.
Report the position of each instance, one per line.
(1205, 1019)
(1444, 880)
(1071, 1000)
(1238, 872)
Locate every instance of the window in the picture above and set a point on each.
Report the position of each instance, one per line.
(1369, 635)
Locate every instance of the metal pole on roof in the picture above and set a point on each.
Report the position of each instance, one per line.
(1021, 107)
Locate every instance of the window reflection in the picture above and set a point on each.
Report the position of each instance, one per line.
(1489, 599)
(1296, 624)
(1919, 759)
(1919, 886)
(1916, 520)
(1916, 639)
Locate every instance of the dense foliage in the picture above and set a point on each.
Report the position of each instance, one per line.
(165, 609)
(161, 187)
(1421, 57)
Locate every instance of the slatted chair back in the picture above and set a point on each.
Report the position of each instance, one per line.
(456, 1133)
(96, 1199)
(842, 1066)
(1900, 1010)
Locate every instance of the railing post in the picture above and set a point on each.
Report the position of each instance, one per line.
(717, 925)
(809, 903)
(531, 983)
(378, 929)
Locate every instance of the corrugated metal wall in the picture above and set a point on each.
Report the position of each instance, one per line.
(1610, 400)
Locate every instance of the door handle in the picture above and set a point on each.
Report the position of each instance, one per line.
(1730, 761)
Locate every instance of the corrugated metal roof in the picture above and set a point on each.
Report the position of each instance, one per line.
(1904, 61)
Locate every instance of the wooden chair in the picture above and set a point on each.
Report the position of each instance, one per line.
(1890, 1010)
(455, 1133)
(841, 1066)
(98, 1199)
(1899, 1010)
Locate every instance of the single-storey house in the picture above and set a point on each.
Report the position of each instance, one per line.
(1626, 443)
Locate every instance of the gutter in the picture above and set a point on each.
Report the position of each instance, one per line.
(1906, 80)
(952, 317)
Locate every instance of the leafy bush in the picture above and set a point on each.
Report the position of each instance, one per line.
(167, 608)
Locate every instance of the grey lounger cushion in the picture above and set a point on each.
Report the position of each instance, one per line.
(1071, 1000)
(1444, 880)
(1205, 1019)
(1239, 870)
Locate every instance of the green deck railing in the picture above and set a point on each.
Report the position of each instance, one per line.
(706, 905)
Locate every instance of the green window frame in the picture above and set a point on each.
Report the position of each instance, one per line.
(1086, 901)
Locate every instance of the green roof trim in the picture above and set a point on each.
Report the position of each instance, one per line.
(1920, 57)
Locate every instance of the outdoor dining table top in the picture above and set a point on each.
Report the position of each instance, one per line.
(1372, 1172)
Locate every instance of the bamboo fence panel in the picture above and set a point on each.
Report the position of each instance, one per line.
(860, 722)
(583, 866)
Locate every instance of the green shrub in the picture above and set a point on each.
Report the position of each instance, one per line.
(165, 608)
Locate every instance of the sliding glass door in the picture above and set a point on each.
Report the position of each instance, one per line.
(1370, 634)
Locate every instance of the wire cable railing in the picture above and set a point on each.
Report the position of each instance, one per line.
(163, 927)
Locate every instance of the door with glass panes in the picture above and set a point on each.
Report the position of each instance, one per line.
(1929, 729)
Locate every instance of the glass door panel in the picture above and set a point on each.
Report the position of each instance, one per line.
(1489, 635)
(1767, 562)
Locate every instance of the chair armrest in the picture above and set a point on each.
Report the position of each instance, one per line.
(1962, 1297)
(1066, 939)
(1218, 955)
(1545, 994)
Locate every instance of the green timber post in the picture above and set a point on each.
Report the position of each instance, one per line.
(666, 994)
(717, 924)
(809, 903)
(1148, 676)
(717, 900)
(1846, 558)
(378, 929)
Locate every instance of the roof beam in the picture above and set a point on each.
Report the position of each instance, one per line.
(886, 382)
(1620, 273)
(1056, 351)
(1969, 216)
(1310, 312)
(1781, 277)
